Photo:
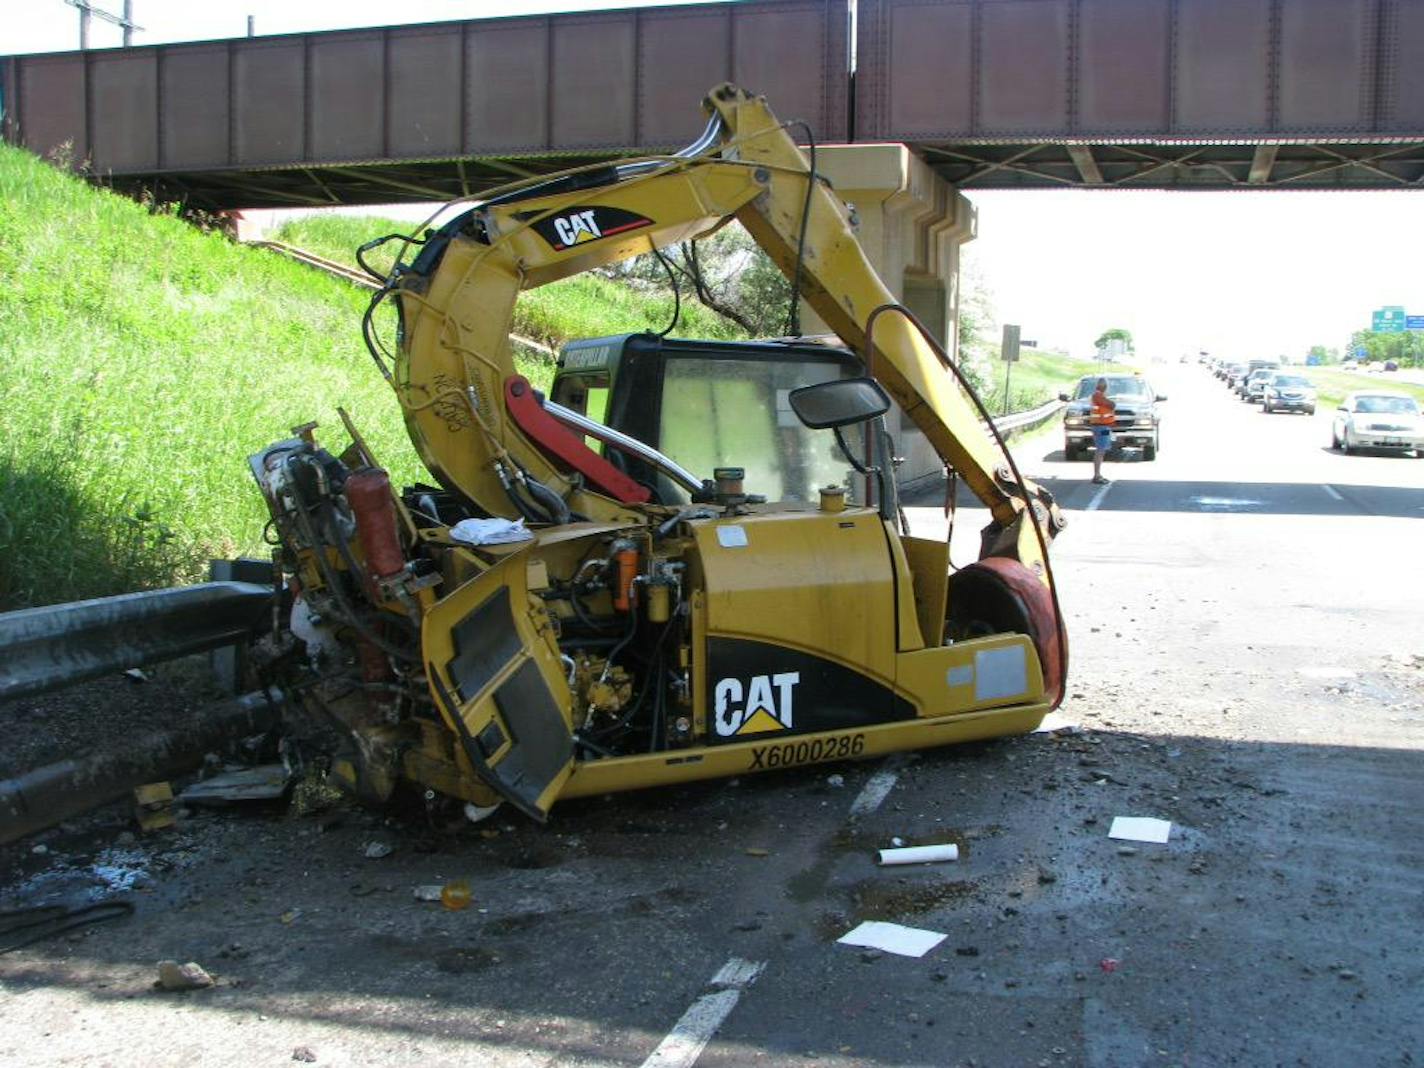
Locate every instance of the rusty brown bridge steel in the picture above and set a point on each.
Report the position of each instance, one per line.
(1196, 94)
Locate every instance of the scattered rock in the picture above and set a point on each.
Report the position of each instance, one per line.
(967, 951)
(376, 850)
(40, 850)
(305, 1054)
(836, 781)
(175, 976)
(870, 956)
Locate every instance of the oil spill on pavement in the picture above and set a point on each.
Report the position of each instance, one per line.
(878, 900)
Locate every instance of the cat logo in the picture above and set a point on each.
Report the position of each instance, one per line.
(764, 706)
(578, 226)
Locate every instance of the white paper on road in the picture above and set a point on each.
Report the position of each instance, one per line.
(892, 938)
(1054, 722)
(1140, 829)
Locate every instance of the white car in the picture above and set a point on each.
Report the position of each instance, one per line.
(1378, 419)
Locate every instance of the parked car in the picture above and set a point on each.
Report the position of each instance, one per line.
(1254, 387)
(1378, 419)
(1251, 368)
(1288, 393)
(1137, 422)
(1350, 365)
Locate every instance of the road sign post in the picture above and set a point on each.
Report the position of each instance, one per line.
(1009, 353)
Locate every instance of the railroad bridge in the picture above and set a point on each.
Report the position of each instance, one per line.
(912, 101)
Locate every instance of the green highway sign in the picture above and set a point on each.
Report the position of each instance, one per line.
(1389, 320)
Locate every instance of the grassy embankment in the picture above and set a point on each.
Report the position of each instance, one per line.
(586, 305)
(1331, 385)
(144, 361)
(1038, 377)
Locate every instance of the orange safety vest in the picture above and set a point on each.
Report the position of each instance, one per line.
(1102, 411)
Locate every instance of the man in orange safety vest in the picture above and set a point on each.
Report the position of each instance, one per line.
(1101, 419)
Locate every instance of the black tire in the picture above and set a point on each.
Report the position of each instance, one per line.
(1310, 410)
(1334, 438)
(1265, 408)
(1345, 444)
(1149, 452)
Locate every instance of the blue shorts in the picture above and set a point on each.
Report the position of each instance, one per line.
(1102, 437)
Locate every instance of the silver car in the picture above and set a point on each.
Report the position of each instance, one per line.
(1378, 419)
(1288, 393)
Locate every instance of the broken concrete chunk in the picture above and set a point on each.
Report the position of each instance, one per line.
(175, 976)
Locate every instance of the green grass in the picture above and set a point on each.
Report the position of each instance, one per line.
(1331, 385)
(1038, 377)
(143, 361)
(586, 305)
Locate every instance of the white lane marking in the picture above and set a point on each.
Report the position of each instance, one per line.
(690, 1035)
(874, 792)
(1333, 492)
(1098, 498)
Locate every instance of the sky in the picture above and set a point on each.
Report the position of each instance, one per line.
(1238, 274)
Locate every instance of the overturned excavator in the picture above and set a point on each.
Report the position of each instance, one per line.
(570, 608)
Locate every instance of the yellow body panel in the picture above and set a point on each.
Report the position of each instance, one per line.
(812, 581)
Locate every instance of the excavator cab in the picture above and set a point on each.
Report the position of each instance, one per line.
(714, 404)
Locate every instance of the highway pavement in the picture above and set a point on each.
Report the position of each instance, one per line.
(1247, 662)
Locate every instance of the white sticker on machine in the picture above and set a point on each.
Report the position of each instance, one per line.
(1000, 673)
(732, 536)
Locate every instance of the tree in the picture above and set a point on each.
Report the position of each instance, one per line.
(1117, 333)
(727, 272)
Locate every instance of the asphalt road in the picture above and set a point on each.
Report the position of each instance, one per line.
(1247, 662)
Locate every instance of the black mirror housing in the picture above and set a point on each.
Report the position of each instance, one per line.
(839, 402)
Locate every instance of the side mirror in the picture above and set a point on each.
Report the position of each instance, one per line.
(1063, 397)
(1161, 396)
(840, 402)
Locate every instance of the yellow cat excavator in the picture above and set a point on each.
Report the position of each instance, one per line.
(570, 610)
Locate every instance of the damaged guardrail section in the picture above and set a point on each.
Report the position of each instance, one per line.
(58, 645)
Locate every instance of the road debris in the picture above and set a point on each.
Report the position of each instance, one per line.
(1109, 964)
(1140, 829)
(375, 850)
(455, 895)
(892, 938)
(153, 806)
(175, 976)
(428, 892)
(267, 782)
(930, 854)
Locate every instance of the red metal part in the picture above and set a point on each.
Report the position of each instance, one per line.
(565, 447)
(368, 491)
(1003, 587)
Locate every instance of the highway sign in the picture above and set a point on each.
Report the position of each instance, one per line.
(1388, 320)
(1414, 322)
(1010, 350)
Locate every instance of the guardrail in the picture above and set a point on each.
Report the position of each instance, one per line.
(1019, 420)
(61, 644)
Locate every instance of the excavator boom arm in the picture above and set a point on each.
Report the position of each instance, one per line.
(457, 303)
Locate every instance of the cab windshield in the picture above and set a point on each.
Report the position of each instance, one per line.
(1118, 386)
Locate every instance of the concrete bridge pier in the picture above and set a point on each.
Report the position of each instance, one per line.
(912, 226)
